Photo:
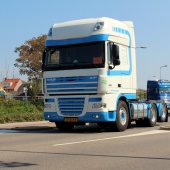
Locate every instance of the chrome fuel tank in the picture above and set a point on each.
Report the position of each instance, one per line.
(139, 110)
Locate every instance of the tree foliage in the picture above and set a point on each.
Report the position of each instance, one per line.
(34, 88)
(30, 57)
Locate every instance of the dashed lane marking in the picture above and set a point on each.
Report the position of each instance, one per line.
(153, 132)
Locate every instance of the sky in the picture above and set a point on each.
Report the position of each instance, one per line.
(21, 20)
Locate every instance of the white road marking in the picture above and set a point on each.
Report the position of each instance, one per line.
(153, 132)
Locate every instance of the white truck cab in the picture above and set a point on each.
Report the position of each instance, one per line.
(89, 73)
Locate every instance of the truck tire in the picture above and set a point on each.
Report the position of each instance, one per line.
(151, 121)
(164, 113)
(122, 116)
(62, 126)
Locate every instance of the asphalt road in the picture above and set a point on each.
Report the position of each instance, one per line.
(44, 147)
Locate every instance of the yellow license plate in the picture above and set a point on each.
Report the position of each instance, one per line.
(71, 119)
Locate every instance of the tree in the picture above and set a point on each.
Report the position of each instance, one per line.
(30, 57)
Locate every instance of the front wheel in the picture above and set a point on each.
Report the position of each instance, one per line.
(122, 116)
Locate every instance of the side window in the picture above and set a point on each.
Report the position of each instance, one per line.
(153, 90)
(108, 54)
(54, 57)
(156, 90)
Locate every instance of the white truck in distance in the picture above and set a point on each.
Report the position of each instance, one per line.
(89, 76)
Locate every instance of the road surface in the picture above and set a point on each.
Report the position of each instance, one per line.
(43, 147)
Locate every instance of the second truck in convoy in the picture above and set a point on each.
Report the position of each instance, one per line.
(159, 90)
(89, 75)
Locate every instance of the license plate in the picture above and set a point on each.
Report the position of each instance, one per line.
(71, 119)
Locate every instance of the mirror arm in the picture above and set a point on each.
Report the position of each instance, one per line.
(111, 67)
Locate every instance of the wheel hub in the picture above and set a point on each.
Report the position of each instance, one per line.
(122, 114)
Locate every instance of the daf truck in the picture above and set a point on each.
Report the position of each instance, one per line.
(89, 76)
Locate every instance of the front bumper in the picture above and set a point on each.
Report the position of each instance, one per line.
(92, 117)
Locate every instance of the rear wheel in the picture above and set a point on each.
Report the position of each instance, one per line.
(164, 113)
(151, 121)
(122, 116)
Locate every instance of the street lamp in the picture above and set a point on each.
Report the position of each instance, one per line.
(161, 69)
(142, 47)
(154, 77)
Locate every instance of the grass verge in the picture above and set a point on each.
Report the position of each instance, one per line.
(20, 111)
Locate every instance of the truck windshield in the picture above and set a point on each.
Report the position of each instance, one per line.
(89, 55)
(164, 90)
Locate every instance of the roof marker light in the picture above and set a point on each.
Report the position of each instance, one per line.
(98, 26)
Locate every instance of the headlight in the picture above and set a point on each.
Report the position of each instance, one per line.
(99, 105)
(48, 105)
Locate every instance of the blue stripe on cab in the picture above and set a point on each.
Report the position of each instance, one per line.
(92, 38)
(72, 85)
(97, 99)
(130, 95)
(72, 79)
(73, 90)
(71, 99)
(70, 102)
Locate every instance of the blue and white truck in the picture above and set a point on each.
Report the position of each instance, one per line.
(159, 90)
(89, 76)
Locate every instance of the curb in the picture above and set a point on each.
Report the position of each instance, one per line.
(27, 125)
(165, 127)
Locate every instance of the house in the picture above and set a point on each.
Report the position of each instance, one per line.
(13, 86)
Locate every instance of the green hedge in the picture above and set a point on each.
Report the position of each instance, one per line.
(141, 94)
(20, 111)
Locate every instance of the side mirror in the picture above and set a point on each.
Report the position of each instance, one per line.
(116, 62)
(115, 54)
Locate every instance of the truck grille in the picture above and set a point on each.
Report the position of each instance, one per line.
(72, 85)
(71, 106)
